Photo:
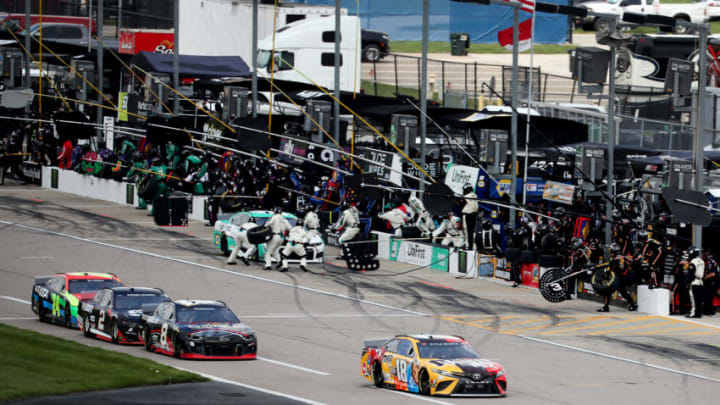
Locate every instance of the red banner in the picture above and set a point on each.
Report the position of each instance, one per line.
(530, 274)
(134, 41)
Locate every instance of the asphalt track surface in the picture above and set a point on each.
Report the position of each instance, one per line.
(311, 326)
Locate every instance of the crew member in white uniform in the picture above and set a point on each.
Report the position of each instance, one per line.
(296, 240)
(451, 227)
(398, 217)
(697, 270)
(279, 227)
(349, 224)
(241, 242)
(312, 222)
(424, 221)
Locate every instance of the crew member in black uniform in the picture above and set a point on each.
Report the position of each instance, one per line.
(711, 283)
(621, 266)
(652, 253)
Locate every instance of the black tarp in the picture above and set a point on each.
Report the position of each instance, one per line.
(193, 66)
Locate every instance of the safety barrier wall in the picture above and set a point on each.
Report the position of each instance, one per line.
(69, 181)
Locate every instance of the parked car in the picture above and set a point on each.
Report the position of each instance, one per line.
(375, 45)
(689, 12)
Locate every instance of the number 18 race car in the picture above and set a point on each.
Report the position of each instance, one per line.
(197, 330)
(431, 365)
(57, 298)
(114, 313)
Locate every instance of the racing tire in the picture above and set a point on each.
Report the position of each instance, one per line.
(424, 383)
(147, 187)
(259, 235)
(604, 284)
(41, 313)
(371, 53)
(177, 349)
(68, 316)
(86, 326)
(224, 245)
(378, 378)
(114, 331)
(147, 340)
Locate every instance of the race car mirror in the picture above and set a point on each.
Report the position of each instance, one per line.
(438, 199)
(688, 206)
(554, 285)
(70, 125)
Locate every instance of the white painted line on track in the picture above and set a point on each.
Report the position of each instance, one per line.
(252, 387)
(213, 268)
(280, 363)
(145, 239)
(290, 316)
(419, 397)
(15, 299)
(631, 361)
(17, 319)
(37, 258)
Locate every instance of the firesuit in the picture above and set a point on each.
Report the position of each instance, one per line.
(241, 242)
(398, 217)
(469, 215)
(296, 240)
(349, 224)
(697, 272)
(451, 227)
(279, 227)
(424, 221)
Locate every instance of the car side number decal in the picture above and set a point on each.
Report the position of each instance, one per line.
(402, 366)
(163, 334)
(55, 305)
(101, 320)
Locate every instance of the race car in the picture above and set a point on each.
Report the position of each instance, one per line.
(197, 330)
(114, 313)
(56, 298)
(226, 229)
(431, 365)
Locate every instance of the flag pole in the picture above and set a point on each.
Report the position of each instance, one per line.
(529, 106)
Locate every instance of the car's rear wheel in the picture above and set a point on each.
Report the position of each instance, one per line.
(147, 339)
(424, 384)
(378, 377)
(114, 332)
(86, 326)
(224, 245)
(177, 350)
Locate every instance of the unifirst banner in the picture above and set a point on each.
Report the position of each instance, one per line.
(458, 175)
(559, 192)
(420, 254)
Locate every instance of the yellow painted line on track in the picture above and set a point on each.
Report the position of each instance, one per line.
(602, 325)
(664, 330)
(698, 324)
(538, 319)
(604, 332)
(587, 319)
(707, 332)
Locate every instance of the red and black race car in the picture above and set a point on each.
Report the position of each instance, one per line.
(197, 330)
(57, 298)
(113, 315)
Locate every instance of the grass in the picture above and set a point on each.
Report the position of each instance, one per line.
(444, 47)
(34, 364)
(388, 90)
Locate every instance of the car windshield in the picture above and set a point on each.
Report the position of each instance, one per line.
(263, 58)
(137, 300)
(446, 350)
(205, 313)
(89, 285)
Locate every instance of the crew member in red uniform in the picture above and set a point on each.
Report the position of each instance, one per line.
(65, 156)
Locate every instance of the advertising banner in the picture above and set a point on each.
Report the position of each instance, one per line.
(134, 41)
(530, 274)
(420, 254)
(559, 192)
(458, 175)
(385, 158)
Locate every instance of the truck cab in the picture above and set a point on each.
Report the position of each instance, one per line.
(305, 52)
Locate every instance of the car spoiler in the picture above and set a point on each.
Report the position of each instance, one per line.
(374, 343)
(42, 280)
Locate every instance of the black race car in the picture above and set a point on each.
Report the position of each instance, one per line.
(197, 330)
(114, 313)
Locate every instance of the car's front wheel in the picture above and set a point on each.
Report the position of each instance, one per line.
(378, 377)
(424, 384)
(147, 339)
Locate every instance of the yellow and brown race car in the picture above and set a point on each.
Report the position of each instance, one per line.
(431, 365)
